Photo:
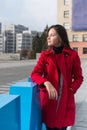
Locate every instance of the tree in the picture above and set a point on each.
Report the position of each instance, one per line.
(31, 54)
(39, 42)
(44, 38)
(36, 45)
(23, 53)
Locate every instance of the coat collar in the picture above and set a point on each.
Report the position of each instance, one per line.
(65, 51)
(48, 52)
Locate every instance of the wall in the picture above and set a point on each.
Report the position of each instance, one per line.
(80, 46)
(9, 56)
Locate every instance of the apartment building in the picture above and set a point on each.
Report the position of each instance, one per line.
(10, 37)
(0, 27)
(24, 40)
(1, 39)
(1, 43)
(72, 15)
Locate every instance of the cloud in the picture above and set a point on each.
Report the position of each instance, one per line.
(40, 13)
(33, 13)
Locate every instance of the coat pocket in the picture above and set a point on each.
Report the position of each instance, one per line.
(44, 98)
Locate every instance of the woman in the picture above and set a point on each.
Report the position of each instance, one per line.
(58, 74)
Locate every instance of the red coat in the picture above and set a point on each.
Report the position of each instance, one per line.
(46, 70)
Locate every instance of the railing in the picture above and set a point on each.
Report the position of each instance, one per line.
(20, 109)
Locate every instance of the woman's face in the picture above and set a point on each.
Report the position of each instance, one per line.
(53, 39)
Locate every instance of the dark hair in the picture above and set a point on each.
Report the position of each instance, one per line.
(62, 33)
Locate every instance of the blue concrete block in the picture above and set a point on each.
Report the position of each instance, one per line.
(30, 104)
(43, 126)
(29, 79)
(9, 112)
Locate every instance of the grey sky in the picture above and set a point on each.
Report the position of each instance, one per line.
(35, 14)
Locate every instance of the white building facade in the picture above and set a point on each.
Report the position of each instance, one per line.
(24, 40)
(1, 43)
(10, 37)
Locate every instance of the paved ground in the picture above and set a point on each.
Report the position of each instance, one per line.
(80, 96)
(81, 101)
(14, 71)
(7, 64)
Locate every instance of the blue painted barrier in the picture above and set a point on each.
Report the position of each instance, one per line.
(22, 107)
(29, 103)
(29, 79)
(43, 125)
(9, 112)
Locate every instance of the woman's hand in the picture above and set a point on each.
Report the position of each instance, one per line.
(51, 90)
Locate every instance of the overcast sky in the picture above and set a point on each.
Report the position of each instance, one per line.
(35, 14)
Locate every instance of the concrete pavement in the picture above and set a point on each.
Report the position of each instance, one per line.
(80, 96)
(14, 71)
(81, 102)
(7, 64)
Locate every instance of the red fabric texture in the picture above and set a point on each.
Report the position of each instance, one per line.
(46, 70)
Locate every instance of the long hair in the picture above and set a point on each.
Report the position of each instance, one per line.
(62, 33)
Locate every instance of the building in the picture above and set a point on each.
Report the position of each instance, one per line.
(1, 43)
(0, 27)
(15, 28)
(72, 14)
(24, 40)
(10, 37)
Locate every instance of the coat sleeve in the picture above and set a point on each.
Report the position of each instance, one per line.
(77, 73)
(38, 72)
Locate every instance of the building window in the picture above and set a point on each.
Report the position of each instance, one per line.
(75, 48)
(66, 14)
(85, 37)
(66, 25)
(84, 50)
(66, 2)
(75, 38)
